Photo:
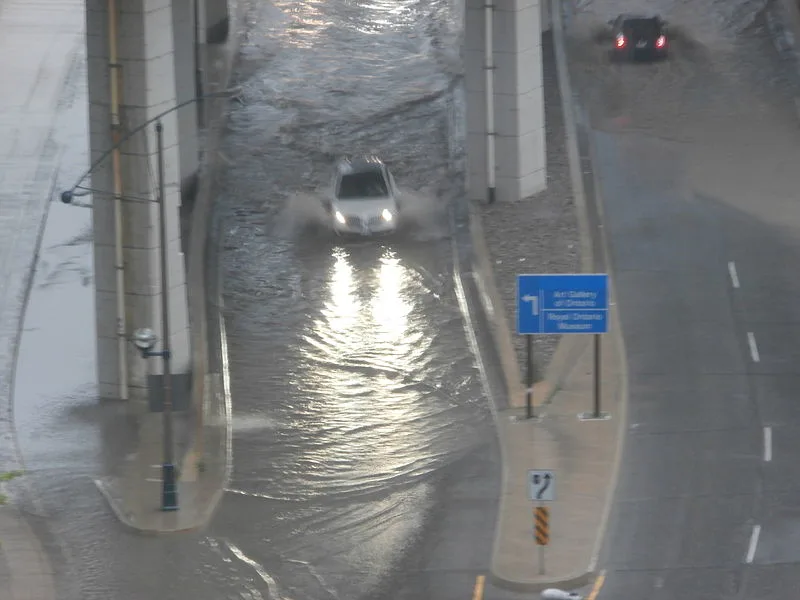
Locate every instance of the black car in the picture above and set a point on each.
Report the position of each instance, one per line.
(638, 37)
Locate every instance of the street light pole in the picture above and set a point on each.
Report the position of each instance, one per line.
(145, 339)
(68, 195)
(169, 491)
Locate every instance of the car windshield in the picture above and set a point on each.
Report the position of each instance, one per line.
(370, 184)
(643, 27)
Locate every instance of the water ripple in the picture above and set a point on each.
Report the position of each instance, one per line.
(353, 384)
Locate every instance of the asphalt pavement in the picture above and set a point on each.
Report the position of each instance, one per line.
(697, 159)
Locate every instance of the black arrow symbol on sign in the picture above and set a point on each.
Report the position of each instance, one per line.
(546, 485)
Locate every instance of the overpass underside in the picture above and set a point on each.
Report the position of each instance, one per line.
(144, 57)
(510, 117)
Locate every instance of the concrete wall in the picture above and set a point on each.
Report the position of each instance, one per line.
(216, 20)
(147, 65)
(547, 19)
(520, 166)
(186, 67)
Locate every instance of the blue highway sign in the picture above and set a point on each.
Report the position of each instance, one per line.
(562, 304)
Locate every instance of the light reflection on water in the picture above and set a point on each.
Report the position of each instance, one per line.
(389, 309)
(360, 355)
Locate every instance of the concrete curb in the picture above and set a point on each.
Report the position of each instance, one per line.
(129, 521)
(197, 284)
(126, 519)
(594, 248)
(618, 338)
(569, 582)
(493, 307)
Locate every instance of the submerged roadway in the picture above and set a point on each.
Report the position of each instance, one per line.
(698, 162)
(365, 458)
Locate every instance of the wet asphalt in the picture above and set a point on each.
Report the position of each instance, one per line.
(697, 159)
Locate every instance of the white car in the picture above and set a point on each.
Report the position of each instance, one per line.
(364, 198)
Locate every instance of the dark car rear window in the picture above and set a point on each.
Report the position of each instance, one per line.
(370, 184)
(643, 27)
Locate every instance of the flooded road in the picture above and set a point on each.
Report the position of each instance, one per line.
(352, 379)
(359, 420)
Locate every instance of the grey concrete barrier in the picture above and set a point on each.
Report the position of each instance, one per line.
(202, 244)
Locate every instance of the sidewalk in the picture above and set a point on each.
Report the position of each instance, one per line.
(41, 45)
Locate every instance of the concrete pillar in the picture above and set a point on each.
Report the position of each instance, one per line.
(520, 168)
(183, 19)
(217, 21)
(147, 66)
(547, 20)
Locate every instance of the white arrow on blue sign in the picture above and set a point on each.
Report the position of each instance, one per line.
(562, 303)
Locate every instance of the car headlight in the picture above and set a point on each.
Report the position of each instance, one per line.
(387, 215)
(340, 217)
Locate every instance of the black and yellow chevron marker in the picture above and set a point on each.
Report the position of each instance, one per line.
(541, 525)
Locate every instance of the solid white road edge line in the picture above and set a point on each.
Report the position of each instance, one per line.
(767, 444)
(734, 274)
(751, 549)
(751, 341)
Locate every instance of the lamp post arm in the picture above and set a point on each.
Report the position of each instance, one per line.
(68, 193)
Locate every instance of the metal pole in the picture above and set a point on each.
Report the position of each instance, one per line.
(169, 491)
(541, 560)
(529, 377)
(489, 69)
(597, 346)
(116, 168)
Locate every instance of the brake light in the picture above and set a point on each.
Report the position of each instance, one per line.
(621, 41)
(661, 41)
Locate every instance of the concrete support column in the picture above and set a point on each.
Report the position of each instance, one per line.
(547, 20)
(147, 66)
(520, 168)
(184, 35)
(217, 21)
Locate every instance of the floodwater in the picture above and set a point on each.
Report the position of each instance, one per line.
(352, 380)
(355, 394)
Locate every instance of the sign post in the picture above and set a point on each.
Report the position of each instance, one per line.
(541, 490)
(597, 347)
(541, 518)
(563, 304)
(529, 377)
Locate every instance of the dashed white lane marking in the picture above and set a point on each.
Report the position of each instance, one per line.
(751, 341)
(767, 444)
(751, 548)
(734, 274)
